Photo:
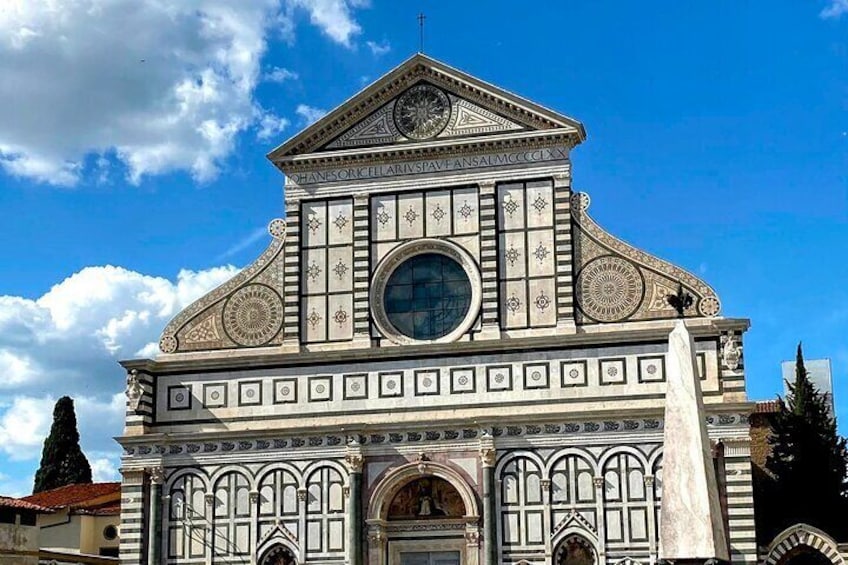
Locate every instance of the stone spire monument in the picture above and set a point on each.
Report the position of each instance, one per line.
(691, 525)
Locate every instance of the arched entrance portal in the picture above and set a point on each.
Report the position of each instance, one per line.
(423, 513)
(575, 550)
(278, 555)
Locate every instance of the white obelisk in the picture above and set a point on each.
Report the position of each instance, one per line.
(691, 524)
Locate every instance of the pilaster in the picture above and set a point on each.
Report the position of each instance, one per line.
(354, 461)
(488, 457)
(156, 477)
(489, 260)
(599, 512)
(361, 268)
(564, 254)
(133, 549)
(301, 526)
(291, 278)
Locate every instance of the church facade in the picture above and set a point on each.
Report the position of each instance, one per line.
(440, 358)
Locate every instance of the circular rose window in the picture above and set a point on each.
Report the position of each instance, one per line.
(425, 291)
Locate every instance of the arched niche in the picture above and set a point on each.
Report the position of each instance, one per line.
(426, 498)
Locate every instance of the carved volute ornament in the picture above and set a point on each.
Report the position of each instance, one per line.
(730, 352)
(134, 391)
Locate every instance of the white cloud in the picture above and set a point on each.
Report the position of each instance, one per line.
(279, 74)
(270, 125)
(174, 97)
(835, 9)
(334, 17)
(308, 114)
(67, 342)
(253, 237)
(103, 469)
(379, 48)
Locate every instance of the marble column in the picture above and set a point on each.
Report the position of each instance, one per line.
(487, 460)
(691, 526)
(355, 522)
(154, 535)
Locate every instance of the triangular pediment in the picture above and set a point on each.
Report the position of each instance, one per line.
(460, 117)
(420, 102)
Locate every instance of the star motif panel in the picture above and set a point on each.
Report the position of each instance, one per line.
(526, 261)
(326, 276)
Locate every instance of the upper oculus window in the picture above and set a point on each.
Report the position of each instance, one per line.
(426, 291)
(427, 296)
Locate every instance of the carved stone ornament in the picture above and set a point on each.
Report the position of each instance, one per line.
(422, 112)
(598, 482)
(472, 538)
(301, 494)
(254, 496)
(487, 457)
(157, 475)
(134, 391)
(731, 354)
(354, 462)
(277, 228)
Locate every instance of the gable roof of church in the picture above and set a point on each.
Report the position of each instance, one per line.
(506, 105)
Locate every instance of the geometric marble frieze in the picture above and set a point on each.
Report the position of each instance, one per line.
(617, 282)
(421, 435)
(422, 112)
(246, 311)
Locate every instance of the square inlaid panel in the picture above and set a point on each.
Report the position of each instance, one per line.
(652, 369)
(463, 380)
(427, 382)
(250, 393)
(612, 371)
(499, 378)
(179, 397)
(355, 386)
(285, 391)
(536, 376)
(391, 385)
(573, 373)
(214, 395)
(320, 388)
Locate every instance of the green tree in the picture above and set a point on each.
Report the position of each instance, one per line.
(62, 460)
(808, 461)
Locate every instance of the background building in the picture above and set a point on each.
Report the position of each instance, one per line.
(82, 519)
(819, 373)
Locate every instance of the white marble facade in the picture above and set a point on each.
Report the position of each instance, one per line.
(292, 417)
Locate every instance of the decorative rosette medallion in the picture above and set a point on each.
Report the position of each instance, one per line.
(253, 315)
(422, 112)
(609, 289)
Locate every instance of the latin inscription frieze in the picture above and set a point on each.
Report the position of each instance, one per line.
(429, 166)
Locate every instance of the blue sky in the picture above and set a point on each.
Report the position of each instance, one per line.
(133, 176)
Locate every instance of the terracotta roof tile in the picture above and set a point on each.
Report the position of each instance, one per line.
(9, 502)
(72, 495)
(768, 406)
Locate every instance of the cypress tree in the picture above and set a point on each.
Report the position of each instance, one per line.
(62, 460)
(808, 461)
